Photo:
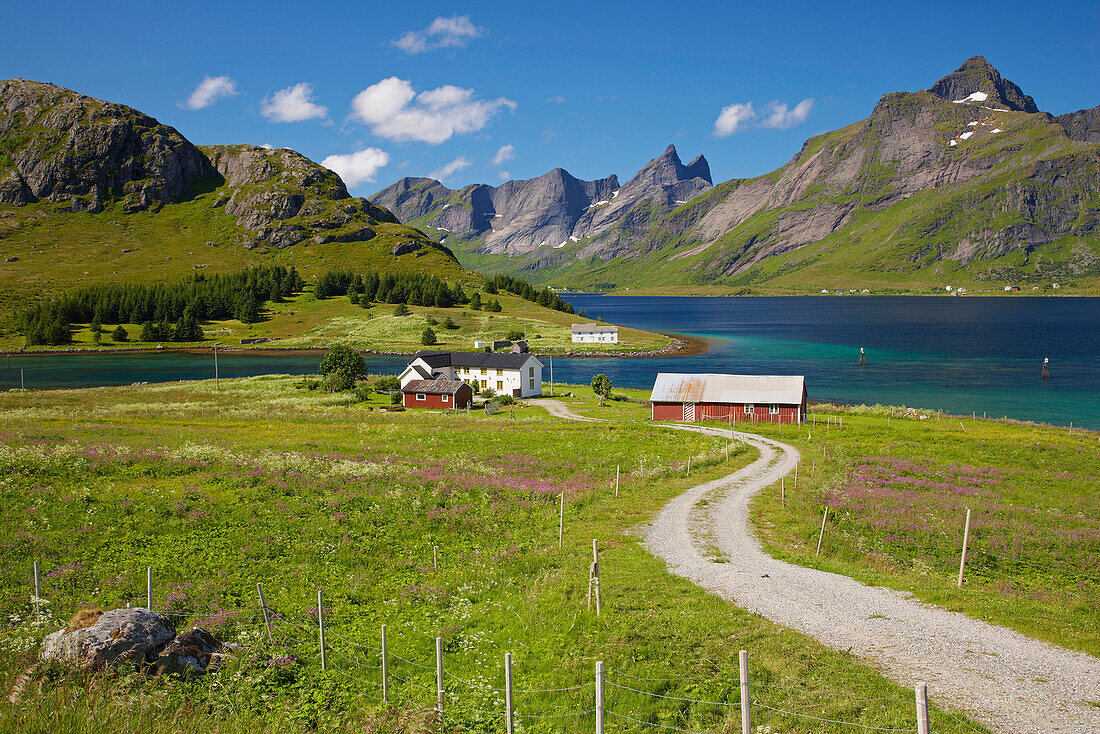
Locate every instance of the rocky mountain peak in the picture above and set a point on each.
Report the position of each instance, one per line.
(667, 169)
(978, 81)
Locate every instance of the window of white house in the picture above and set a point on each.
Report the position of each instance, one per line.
(773, 410)
(446, 398)
(531, 383)
(749, 409)
(530, 371)
(500, 384)
(421, 396)
(500, 373)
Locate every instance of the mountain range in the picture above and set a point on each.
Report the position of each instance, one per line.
(966, 181)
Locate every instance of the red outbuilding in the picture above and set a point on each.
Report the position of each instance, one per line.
(439, 393)
(731, 398)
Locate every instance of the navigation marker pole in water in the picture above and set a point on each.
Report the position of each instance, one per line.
(862, 357)
(1046, 369)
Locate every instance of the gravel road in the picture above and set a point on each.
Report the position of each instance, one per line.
(1005, 680)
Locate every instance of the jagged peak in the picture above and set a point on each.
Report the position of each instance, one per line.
(978, 81)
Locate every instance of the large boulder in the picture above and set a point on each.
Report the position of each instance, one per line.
(192, 653)
(119, 636)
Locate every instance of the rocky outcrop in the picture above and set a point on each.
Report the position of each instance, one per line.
(284, 198)
(62, 146)
(978, 77)
(1083, 125)
(118, 637)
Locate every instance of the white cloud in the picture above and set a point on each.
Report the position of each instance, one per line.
(506, 153)
(209, 91)
(454, 166)
(358, 167)
(504, 175)
(732, 118)
(557, 99)
(267, 146)
(292, 104)
(394, 110)
(452, 32)
(778, 116)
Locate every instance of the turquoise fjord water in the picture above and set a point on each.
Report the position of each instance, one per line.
(961, 355)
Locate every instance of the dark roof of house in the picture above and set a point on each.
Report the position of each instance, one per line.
(502, 360)
(425, 374)
(435, 387)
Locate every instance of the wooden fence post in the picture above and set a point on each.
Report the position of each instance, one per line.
(599, 697)
(149, 588)
(594, 577)
(813, 467)
(508, 690)
(263, 608)
(795, 477)
(439, 679)
(37, 592)
(822, 533)
(385, 669)
(922, 709)
(321, 627)
(616, 481)
(746, 711)
(966, 539)
(435, 557)
(783, 490)
(689, 466)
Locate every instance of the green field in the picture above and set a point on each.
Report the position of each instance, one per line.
(267, 481)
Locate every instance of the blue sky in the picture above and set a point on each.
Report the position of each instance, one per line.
(482, 91)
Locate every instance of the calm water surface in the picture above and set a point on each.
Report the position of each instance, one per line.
(962, 355)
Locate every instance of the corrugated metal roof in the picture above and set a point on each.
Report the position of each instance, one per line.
(594, 328)
(675, 387)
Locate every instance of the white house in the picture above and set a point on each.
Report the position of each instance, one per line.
(518, 375)
(595, 333)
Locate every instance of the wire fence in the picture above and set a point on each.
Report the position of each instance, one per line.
(635, 702)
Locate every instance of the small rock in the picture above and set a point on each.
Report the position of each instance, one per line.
(193, 652)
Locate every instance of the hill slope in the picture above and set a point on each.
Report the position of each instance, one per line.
(92, 191)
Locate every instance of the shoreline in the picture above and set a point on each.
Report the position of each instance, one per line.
(681, 346)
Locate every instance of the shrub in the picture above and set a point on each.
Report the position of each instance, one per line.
(120, 334)
(448, 323)
(337, 382)
(388, 383)
(514, 335)
(363, 393)
(506, 400)
(345, 360)
(601, 385)
(488, 392)
(427, 337)
(395, 399)
(401, 310)
(432, 320)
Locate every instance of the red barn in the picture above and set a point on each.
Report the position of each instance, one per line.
(438, 393)
(755, 398)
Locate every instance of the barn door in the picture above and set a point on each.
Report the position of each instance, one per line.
(689, 412)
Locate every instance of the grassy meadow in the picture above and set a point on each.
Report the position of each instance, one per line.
(267, 481)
